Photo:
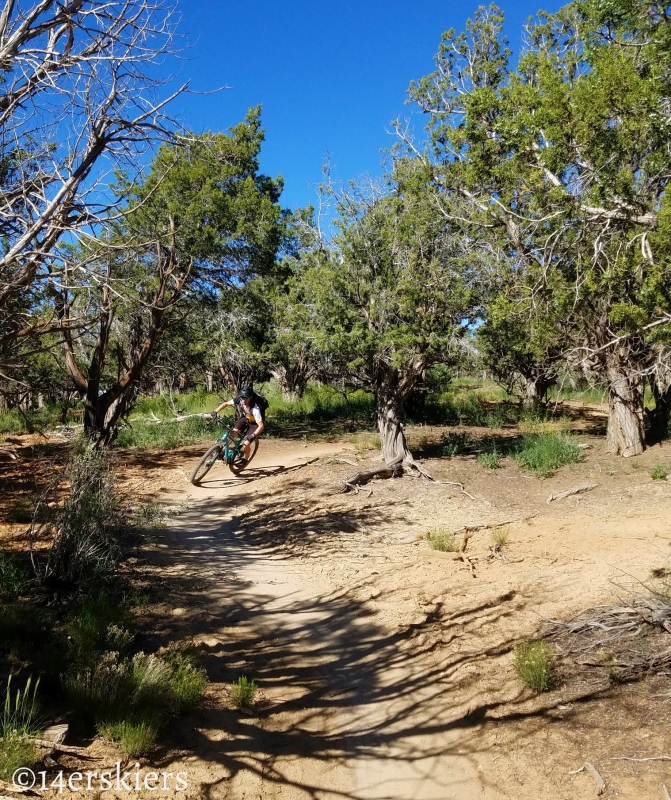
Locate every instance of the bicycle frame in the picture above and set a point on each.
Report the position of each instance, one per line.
(232, 442)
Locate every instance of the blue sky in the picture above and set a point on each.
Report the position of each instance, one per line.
(329, 75)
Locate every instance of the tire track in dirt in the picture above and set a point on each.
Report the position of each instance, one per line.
(346, 711)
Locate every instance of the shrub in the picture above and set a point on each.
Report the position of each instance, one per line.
(187, 683)
(17, 726)
(14, 577)
(500, 536)
(534, 664)
(85, 548)
(454, 444)
(658, 472)
(97, 626)
(150, 515)
(243, 691)
(491, 460)
(443, 539)
(100, 690)
(544, 452)
(151, 681)
(136, 735)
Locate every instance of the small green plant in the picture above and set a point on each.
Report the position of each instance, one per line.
(442, 539)
(243, 691)
(136, 735)
(491, 460)
(658, 472)
(17, 727)
(187, 683)
(100, 690)
(150, 516)
(534, 664)
(14, 577)
(500, 536)
(454, 444)
(97, 626)
(544, 452)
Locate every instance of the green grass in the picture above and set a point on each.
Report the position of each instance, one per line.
(442, 539)
(534, 663)
(500, 536)
(136, 736)
(545, 452)
(14, 577)
(243, 691)
(658, 472)
(17, 724)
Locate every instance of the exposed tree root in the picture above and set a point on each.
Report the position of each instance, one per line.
(579, 489)
(394, 469)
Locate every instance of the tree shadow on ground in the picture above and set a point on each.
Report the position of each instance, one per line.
(340, 685)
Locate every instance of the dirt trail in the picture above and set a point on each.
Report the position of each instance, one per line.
(342, 713)
(385, 668)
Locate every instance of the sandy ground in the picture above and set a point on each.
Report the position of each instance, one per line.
(386, 668)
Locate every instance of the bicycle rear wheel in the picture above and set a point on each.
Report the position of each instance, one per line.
(206, 463)
(236, 467)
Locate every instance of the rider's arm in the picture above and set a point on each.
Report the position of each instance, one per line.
(224, 405)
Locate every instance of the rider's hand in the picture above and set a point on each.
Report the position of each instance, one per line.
(214, 415)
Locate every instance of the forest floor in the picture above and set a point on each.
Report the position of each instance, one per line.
(386, 668)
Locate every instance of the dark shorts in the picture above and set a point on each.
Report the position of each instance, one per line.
(244, 426)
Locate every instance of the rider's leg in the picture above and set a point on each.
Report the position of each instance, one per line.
(247, 447)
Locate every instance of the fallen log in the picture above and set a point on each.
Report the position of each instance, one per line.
(578, 489)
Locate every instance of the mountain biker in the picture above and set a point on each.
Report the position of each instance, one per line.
(250, 423)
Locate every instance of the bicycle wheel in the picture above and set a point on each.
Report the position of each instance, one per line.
(206, 463)
(236, 467)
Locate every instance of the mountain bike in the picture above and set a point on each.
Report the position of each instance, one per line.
(229, 449)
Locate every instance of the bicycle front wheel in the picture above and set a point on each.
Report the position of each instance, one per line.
(206, 463)
(236, 466)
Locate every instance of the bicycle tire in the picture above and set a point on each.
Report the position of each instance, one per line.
(236, 468)
(206, 463)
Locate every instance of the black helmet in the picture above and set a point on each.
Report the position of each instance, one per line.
(246, 392)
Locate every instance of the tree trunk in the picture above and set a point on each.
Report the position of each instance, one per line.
(292, 384)
(209, 381)
(626, 434)
(389, 398)
(534, 391)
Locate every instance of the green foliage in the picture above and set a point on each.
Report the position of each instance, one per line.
(454, 443)
(14, 577)
(490, 460)
(17, 724)
(136, 736)
(96, 626)
(243, 691)
(534, 664)
(187, 682)
(442, 539)
(149, 515)
(500, 536)
(658, 472)
(545, 452)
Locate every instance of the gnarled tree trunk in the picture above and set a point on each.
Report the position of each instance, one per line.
(535, 387)
(626, 433)
(390, 393)
(292, 382)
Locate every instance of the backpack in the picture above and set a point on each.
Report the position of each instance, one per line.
(262, 403)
